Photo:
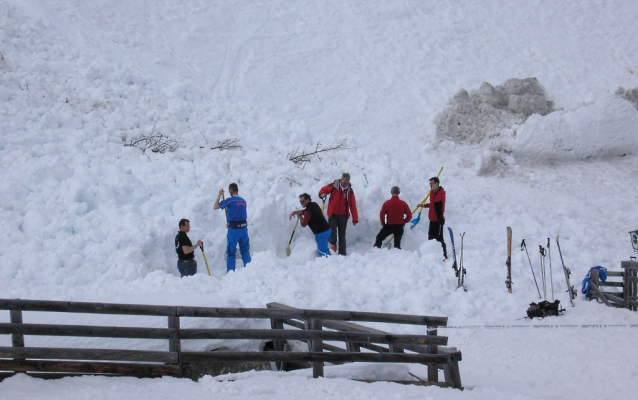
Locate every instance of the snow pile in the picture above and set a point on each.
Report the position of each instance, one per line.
(630, 95)
(606, 128)
(514, 122)
(484, 112)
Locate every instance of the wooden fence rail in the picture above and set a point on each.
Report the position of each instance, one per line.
(56, 362)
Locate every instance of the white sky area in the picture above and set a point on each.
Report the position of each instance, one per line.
(86, 218)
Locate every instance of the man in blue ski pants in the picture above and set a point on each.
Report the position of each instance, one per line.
(236, 216)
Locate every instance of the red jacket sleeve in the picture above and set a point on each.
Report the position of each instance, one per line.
(305, 219)
(407, 212)
(326, 189)
(353, 208)
(382, 214)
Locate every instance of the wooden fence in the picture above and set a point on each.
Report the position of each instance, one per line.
(627, 297)
(48, 362)
(431, 345)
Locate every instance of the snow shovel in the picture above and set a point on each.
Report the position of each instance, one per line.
(291, 236)
(201, 246)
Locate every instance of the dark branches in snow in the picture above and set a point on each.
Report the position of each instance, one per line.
(302, 157)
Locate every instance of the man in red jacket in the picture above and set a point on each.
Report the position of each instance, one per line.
(394, 214)
(342, 203)
(436, 213)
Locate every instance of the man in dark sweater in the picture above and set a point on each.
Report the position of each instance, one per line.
(186, 263)
(394, 214)
(312, 217)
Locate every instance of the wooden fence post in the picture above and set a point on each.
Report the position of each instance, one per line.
(174, 343)
(17, 339)
(317, 346)
(630, 280)
(278, 345)
(433, 370)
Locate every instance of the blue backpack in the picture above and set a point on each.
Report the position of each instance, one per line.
(602, 273)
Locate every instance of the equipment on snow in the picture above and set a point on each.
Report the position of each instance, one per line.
(291, 236)
(551, 275)
(602, 274)
(544, 309)
(458, 268)
(543, 253)
(454, 265)
(201, 246)
(524, 247)
(570, 289)
(461, 272)
(416, 220)
(508, 262)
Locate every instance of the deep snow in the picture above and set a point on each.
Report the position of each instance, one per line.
(86, 218)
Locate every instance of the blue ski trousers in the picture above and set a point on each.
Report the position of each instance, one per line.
(235, 237)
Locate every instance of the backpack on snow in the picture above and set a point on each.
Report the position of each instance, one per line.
(544, 309)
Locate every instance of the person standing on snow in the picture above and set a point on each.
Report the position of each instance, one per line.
(342, 203)
(186, 263)
(237, 225)
(312, 217)
(436, 213)
(395, 213)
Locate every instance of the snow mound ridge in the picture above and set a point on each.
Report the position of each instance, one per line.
(606, 128)
(472, 117)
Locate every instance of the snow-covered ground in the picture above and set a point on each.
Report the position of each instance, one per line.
(85, 217)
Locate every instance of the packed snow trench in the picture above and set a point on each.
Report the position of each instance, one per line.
(119, 118)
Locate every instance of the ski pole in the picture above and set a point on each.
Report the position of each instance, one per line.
(291, 236)
(524, 246)
(542, 253)
(551, 275)
(201, 246)
(323, 206)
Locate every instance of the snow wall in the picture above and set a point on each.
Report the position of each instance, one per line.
(516, 119)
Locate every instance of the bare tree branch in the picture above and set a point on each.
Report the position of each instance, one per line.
(156, 142)
(228, 144)
(305, 157)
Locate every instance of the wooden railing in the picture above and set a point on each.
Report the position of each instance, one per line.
(430, 345)
(51, 362)
(627, 297)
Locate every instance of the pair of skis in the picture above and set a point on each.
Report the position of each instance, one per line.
(570, 289)
(459, 269)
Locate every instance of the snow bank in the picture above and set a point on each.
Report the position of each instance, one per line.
(605, 128)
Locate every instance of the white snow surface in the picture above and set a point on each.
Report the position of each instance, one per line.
(86, 218)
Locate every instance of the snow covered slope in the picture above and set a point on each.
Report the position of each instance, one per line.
(85, 216)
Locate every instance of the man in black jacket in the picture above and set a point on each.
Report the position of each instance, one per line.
(312, 217)
(186, 263)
